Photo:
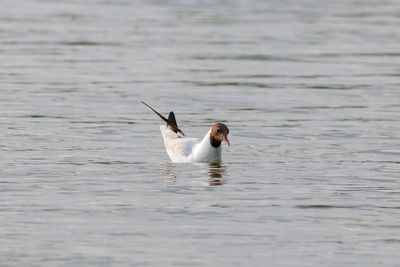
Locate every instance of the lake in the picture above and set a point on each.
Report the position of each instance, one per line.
(309, 89)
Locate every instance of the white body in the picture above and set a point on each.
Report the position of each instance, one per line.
(185, 149)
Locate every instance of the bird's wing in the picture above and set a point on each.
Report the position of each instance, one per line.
(178, 148)
(171, 121)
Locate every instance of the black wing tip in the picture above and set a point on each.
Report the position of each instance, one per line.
(171, 121)
(171, 118)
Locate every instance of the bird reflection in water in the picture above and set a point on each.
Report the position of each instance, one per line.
(170, 175)
(217, 174)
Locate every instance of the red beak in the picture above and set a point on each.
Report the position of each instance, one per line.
(227, 141)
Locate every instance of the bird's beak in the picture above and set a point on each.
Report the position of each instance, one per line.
(226, 141)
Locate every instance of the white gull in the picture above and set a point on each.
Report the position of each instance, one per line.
(183, 149)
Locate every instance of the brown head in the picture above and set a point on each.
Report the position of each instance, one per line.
(219, 133)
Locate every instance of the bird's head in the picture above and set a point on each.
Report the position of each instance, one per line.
(219, 133)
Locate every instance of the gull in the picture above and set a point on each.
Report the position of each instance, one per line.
(183, 149)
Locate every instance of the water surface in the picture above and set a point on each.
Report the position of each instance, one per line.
(310, 91)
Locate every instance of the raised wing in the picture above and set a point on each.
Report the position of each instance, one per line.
(171, 123)
(171, 118)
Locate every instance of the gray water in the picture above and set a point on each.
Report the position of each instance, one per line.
(309, 89)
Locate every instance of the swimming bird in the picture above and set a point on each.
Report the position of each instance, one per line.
(183, 149)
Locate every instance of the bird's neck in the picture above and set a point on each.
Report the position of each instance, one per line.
(214, 142)
(205, 151)
(210, 144)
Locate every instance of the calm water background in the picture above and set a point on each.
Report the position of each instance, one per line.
(309, 89)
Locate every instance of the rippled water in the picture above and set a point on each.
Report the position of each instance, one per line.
(309, 89)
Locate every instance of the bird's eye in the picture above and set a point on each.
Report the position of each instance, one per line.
(218, 130)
